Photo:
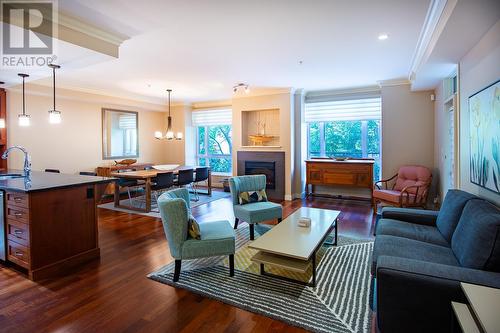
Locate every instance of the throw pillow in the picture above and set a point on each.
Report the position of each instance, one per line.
(252, 196)
(193, 228)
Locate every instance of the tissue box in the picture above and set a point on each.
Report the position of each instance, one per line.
(304, 222)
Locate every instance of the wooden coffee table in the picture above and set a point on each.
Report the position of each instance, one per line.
(292, 247)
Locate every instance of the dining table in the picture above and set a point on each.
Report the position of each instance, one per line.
(147, 176)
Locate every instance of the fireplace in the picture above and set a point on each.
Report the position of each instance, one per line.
(262, 168)
(271, 164)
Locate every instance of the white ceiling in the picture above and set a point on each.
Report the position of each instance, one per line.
(202, 48)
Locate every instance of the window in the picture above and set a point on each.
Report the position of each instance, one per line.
(345, 128)
(214, 139)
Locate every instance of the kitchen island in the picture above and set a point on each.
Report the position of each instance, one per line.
(50, 221)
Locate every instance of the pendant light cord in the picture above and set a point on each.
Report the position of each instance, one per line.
(24, 108)
(54, 86)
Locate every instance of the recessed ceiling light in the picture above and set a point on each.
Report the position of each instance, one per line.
(383, 36)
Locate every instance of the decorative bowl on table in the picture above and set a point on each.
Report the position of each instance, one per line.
(340, 159)
(128, 161)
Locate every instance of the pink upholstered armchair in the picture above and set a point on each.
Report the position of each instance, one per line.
(409, 188)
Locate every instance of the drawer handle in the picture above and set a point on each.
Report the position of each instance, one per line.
(18, 199)
(19, 254)
(17, 214)
(18, 232)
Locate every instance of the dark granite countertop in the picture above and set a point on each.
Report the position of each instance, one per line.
(43, 181)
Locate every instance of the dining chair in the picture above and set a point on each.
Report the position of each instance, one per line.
(53, 170)
(162, 181)
(128, 183)
(200, 175)
(217, 238)
(185, 177)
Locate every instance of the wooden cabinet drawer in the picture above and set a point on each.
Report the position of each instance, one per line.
(18, 254)
(18, 214)
(18, 232)
(17, 199)
(339, 178)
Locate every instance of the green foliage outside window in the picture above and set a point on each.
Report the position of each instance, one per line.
(214, 147)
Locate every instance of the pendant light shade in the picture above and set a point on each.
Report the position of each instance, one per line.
(170, 133)
(54, 115)
(23, 118)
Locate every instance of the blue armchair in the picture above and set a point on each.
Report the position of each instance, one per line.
(217, 238)
(252, 212)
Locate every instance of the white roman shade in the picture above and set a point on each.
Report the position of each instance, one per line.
(369, 108)
(127, 121)
(212, 117)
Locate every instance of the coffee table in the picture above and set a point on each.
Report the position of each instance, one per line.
(292, 247)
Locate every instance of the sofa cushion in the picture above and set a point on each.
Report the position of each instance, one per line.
(450, 212)
(393, 196)
(476, 240)
(387, 245)
(412, 176)
(424, 233)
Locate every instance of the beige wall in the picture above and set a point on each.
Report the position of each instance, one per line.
(283, 102)
(441, 144)
(407, 128)
(75, 144)
(478, 69)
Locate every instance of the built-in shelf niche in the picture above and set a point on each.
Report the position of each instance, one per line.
(260, 128)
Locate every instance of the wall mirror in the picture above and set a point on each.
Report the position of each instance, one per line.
(120, 131)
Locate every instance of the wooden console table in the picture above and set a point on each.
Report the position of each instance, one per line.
(329, 172)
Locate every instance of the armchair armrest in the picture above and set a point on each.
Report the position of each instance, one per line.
(417, 216)
(415, 296)
(385, 181)
(419, 188)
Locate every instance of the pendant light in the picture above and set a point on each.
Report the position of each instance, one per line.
(54, 115)
(24, 119)
(2, 120)
(170, 133)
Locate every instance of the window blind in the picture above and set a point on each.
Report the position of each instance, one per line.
(127, 121)
(348, 109)
(212, 117)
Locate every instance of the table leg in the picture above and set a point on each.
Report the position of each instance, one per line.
(117, 194)
(336, 230)
(313, 284)
(148, 195)
(262, 271)
(209, 182)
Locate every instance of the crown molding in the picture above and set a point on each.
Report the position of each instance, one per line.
(80, 26)
(393, 82)
(435, 20)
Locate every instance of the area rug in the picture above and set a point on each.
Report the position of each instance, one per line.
(338, 303)
(140, 203)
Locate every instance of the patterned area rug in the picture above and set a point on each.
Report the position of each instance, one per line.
(338, 303)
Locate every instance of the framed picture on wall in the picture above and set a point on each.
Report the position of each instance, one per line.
(484, 126)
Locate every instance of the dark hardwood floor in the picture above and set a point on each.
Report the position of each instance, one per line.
(114, 294)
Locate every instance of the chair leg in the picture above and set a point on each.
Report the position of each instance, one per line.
(231, 265)
(252, 234)
(177, 271)
(236, 220)
(279, 219)
(129, 196)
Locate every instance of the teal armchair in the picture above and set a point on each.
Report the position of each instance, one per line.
(217, 238)
(252, 212)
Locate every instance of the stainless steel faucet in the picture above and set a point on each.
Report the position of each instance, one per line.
(27, 158)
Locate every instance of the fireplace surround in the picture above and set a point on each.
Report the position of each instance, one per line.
(270, 164)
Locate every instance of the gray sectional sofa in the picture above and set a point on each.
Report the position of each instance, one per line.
(420, 257)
